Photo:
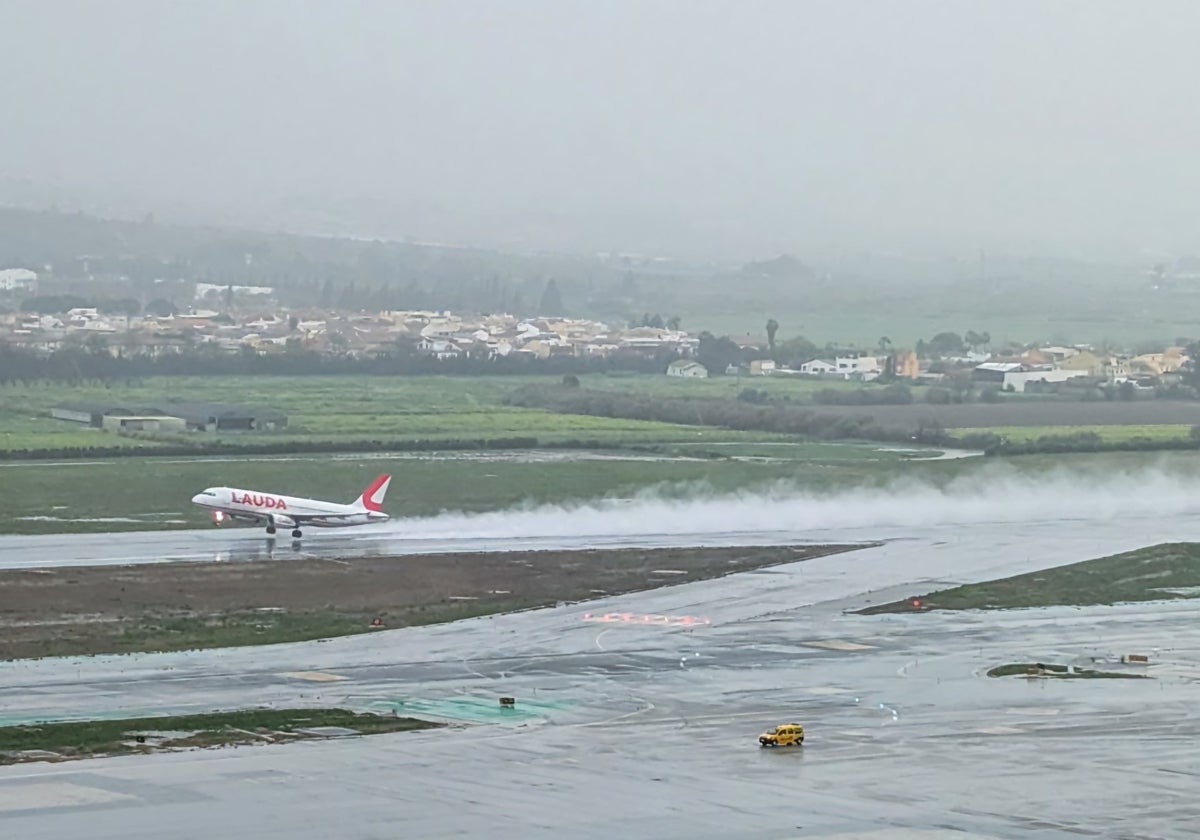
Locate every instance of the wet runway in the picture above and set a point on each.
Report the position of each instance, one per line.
(637, 715)
(134, 547)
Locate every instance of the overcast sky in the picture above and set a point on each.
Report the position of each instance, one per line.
(734, 129)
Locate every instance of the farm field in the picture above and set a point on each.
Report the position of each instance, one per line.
(871, 299)
(360, 408)
(854, 327)
(778, 386)
(1166, 431)
(155, 493)
(349, 409)
(1032, 412)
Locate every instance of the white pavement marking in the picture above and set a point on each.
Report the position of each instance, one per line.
(837, 644)
(313, 676)
(56, 794)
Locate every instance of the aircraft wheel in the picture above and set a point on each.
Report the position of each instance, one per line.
(297, 533)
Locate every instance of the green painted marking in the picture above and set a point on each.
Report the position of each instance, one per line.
(471, 708)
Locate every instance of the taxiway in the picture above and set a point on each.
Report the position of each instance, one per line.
(637, 715)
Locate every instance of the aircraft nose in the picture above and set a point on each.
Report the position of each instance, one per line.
(197, 498)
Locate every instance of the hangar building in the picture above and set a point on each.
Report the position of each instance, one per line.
(202, 416)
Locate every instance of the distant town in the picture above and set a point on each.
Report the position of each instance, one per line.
(249, 320)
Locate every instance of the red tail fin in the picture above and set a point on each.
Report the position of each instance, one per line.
(372, 498)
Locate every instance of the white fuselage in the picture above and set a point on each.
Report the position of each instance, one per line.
(285, 511)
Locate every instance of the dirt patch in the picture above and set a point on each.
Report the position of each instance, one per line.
(177, 606)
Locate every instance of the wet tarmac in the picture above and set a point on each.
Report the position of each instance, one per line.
(244, 544)
(637, 715)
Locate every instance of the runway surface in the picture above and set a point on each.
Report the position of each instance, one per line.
(140, 547)
(638, 715)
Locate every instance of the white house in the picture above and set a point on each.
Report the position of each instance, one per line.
(203, 290)
(851, 366)
(687, 369)
(439, 348)
(17, 279)
(818, 367)
(1014, 376)
(1059, 354)
(1017, 380)
(857, 365)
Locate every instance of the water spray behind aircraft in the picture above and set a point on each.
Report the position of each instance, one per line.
(997, 494)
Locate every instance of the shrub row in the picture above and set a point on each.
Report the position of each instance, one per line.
(741, 415)
(750, 413)
(292, 448)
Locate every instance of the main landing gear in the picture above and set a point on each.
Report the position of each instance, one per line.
(271, 529)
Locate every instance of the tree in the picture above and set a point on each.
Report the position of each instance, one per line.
(674, 322)
(772, 328)
(885, 344)
(551, 302)
(946, 343)
(717, 354)
(52, 304)
(795, 351)
(889, 369)
(159, 308)
(123, 306)
(975, 340)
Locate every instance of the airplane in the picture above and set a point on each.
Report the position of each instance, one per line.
(290, 512)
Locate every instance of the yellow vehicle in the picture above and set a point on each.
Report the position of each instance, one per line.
(784, 735)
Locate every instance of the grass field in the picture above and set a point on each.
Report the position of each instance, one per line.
(360, 408)
(57, 497)
(1108, 433)
(352, 409)
(1024, 412)
(796, 388)
(84, 739)
(1158, 573)
(1062, 672)
(154, 493)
